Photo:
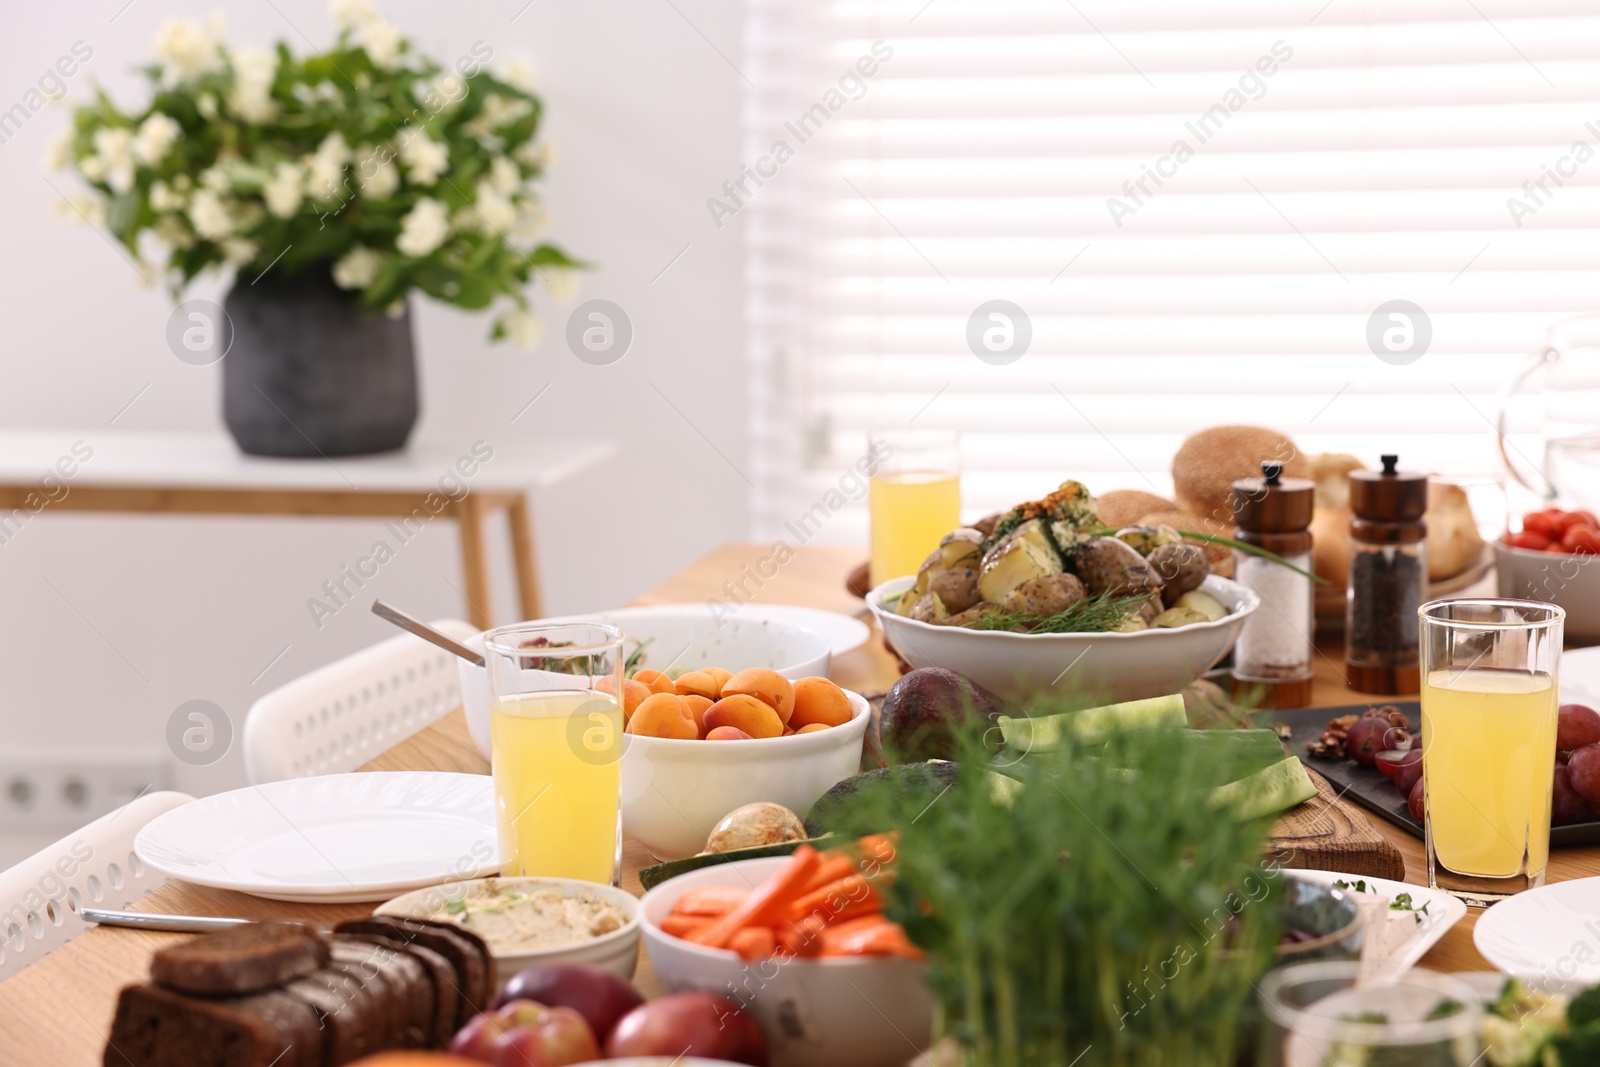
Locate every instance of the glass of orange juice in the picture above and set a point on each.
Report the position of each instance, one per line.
(1489, 706)
(915, 497)
(555, 744)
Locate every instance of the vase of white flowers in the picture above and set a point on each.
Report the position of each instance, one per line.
(331, 186)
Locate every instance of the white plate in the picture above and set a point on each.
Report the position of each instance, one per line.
(1552, 931)
(844, 632)
(1407, 940)
(338, 838)
(1580, 677)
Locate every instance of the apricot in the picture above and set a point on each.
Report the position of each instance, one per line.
(745, 713)
(813, 727)
(769, 687)
(728, 733)
(698, 683)
(818, 701)
(663, 715)
(697, 710)
(658, 682)
(720, 675)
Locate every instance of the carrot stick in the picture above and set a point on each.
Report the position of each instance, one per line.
(880, 847)
(835, 865)
(768, 903)
(801, 938)
(852, 910)
(835, 896)
(753, 942)
(884, 939)
(710, 900)
(684, 925)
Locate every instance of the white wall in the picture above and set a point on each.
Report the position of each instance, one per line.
(645, 115)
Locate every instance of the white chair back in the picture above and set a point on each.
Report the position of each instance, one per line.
(93, 867)
(340, 716)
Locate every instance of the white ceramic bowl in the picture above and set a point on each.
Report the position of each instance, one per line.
(680, 635)
(1571, 582)
(617, 951)
(1104, 667)
(675, 792)
(816, 1013)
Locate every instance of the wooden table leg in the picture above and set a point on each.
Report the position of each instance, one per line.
(526, 560)
(474, 560)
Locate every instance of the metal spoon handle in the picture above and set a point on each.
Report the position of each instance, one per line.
(149, 920)
(426, 632)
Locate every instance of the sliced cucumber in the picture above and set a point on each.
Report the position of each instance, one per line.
(1215, 757)
(1093, 725)
(1266, 792)
(650, 877)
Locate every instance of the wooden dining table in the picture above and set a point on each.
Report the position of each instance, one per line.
(58, 1011)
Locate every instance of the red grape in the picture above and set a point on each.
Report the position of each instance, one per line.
(1584, 770)
(1414, 803)
(1410, 771)
(1372, 735)
(1576, 726)
(1566, 806)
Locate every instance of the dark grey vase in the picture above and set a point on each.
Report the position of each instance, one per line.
(312, 373)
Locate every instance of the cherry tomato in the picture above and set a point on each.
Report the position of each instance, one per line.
(1569, 519)
(1528, 539)
(1546, 522)
(1583, 539)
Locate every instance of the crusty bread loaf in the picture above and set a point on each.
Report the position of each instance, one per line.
(1220, 557)
(1123, 507)
(1454, 543)
(155, 1027)
(240, 959)
(1208, 463)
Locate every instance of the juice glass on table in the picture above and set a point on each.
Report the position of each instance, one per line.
(1489, 702)
(915, 498)
(555, 742)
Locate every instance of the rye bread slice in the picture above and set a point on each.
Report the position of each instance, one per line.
(354, 1012)
(240, 959)
(156, 1027)
(410, 991)
(440, 975)
(466, 951)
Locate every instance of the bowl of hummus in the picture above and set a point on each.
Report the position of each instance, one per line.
(528, 921)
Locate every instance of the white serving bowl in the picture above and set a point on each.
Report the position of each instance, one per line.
(617, 951)
(816, 1013)
(683, 636)
(1104, 667)
(1568, 581)
(675, 792)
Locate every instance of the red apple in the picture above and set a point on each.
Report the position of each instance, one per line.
(599, 995)
(479, 1039)
(689, 1024)
(560, 1038)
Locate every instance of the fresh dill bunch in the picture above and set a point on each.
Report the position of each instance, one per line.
(1092, 614)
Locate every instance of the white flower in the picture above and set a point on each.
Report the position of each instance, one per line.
(284, 192)
(81, 207)
(59, 154)
(170, 228)
(164, 198)
(352, 14)
(531, 222)
(381, 41)
(519, 73)
(496, 214)
(206, 104)
(535, 157)
(145, 274)
(253, 72)
(446, 90)
(357, 268)
(523, 327)
(327, 167)
(378, 174)
(497, 111)
(187, 49)
(156, 135)
(93, 168)
(504, 176)
(238, 251)
(423, 229)
(114, 147)
(425, 159)
(214, 178)
(210, 216)
(562, 283)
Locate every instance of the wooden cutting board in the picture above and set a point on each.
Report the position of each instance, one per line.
(1329, 834)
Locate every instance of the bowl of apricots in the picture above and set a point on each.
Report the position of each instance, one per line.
(700, 744)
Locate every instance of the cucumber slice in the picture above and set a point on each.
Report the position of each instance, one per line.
(650, 877)
(1215, 757)
(1093, 725)
(1267, 792)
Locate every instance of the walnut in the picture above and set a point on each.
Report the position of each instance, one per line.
(1330, 745)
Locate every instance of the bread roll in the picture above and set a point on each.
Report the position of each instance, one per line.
(1122, 507)
(1330, 547)
(1331, 472)
(1207, 464)
(1219, 556)
(1454, 543)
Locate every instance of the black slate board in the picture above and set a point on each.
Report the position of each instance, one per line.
(1367, 785)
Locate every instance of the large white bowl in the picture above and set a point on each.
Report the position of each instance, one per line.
(617, 951)
(1104, 667)
(675, 792)
(816, 1013)
(1568, 581)
(683, 636)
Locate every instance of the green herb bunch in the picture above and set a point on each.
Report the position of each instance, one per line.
(1083, 909)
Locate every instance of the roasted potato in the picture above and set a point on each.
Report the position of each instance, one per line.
(956, 586)
(1022, 554)
(961, 547)
(1107, 565)
(1172, 618)
(1146, 539)
(1044, 597)
(929, 608)
(966, 618)
(1198, 600)
(1181, 567)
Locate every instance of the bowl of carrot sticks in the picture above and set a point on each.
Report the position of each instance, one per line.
(802, 943)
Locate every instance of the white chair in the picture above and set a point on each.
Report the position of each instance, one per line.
(94, 866)
(340, 716)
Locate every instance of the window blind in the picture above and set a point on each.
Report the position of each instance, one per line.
(1205, 213)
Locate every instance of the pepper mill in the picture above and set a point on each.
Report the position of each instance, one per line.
(1272, 661)
(1388, 579)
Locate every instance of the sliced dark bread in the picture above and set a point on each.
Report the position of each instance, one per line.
(442, 977)
(466, 951)
(410, 991)
(354, 1012)
(240, 959)
(156, 1027)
